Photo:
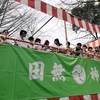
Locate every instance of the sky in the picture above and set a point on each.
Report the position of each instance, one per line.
(55, 29)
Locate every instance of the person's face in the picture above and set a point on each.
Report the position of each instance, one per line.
(67, 45)
(32, 40)
(78, 46)
(55, 42)
(98, 53)
(24, 35)
(5, 33)
(90, 49)
(40, 42)
(84, 48)
(47, 43)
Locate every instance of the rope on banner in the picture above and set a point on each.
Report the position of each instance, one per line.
(62, 50)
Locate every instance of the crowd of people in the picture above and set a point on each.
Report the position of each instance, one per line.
(79, 51)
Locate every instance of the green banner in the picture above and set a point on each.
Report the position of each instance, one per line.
(27, 74)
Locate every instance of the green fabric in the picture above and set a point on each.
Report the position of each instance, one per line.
(17, 84)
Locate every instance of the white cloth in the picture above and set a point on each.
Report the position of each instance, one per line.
(54, 45)
(37, 46)
(6, 40)
(29, 45)
(21, 44)
(1, 40)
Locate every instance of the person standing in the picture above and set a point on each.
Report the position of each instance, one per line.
(21, 36)
(78, 49)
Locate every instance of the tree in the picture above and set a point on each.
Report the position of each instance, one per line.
(15, 17)
(89, 12)
(86, 10)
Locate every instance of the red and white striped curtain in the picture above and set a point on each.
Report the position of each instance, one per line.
(58, 13)
(94, 43)
(61, 14)
(85, 97)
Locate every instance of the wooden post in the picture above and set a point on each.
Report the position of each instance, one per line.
(65, 27)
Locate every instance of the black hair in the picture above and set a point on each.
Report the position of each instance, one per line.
(79, 44)
(97, 51)
(5, 31)
(23, 32)
(37, 40)
(68, 43)
(84, 46)
(46, 42)
(90, 48)
(58, 43)
(31, 38)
